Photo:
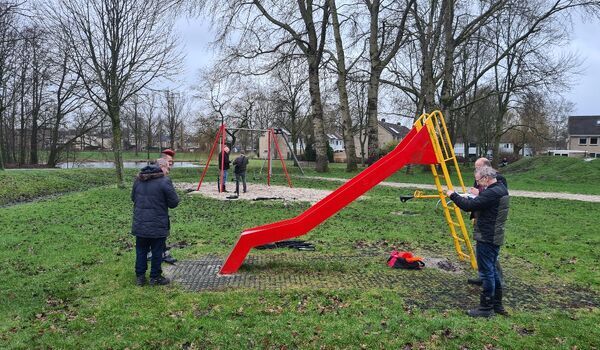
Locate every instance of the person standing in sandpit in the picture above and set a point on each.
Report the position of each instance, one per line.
(240, 165)
(224, 164)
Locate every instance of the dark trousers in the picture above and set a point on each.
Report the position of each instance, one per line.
(238, 177)
(487, 258)
(142, 246)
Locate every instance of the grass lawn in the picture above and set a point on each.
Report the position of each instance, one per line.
(68, 278)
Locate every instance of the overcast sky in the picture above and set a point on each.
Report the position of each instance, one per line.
(195, 37)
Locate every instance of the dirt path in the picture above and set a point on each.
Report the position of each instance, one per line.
(264, 192)
(516, 193)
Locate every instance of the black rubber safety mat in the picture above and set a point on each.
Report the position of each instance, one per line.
(428, 288)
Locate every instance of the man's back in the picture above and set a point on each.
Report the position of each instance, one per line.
(241, 163)
(152, 195)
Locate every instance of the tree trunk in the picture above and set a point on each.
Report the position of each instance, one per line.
(2, 108)
(373, 123)
(117, 142)
(54, 149)
(322, 162)
(343, 92)
(33, 146)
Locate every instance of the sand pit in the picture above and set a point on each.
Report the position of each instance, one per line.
(257, 192)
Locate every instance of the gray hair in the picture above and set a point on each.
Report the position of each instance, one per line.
(162, 162)
(483, 161)
(486, 171)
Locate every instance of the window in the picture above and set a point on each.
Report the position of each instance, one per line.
(583, 140)
(593, 141)
(598, 122)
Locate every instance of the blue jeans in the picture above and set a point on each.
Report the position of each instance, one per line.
(238, 177)
(487, 257)
(142, 246)
(224, 179)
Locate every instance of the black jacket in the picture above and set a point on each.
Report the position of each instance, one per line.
(492, 205)
(240, 164)
(152, 195)
(500, 178)
(227, 162)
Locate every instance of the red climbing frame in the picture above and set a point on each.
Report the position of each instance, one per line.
(415, 148)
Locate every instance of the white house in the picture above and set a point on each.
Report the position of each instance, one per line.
(336, 142)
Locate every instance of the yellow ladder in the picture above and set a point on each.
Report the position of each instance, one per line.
(444, 151)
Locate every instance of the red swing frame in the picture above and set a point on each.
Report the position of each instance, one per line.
(221, 136)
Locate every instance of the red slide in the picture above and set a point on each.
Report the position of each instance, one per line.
(415, 148)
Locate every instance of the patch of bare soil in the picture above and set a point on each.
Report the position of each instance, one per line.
(256, 192)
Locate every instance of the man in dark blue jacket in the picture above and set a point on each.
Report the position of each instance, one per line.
(153, 194)
(492, 205)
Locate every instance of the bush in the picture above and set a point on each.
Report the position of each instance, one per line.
(310, 154)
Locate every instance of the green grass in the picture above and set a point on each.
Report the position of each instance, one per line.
(546, 174)
(68, 276)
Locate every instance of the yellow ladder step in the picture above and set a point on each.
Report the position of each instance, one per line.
(464, 255)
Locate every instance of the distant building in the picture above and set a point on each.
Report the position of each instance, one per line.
(336, 142)
(584, 132)
(263, 146)
(386, 132)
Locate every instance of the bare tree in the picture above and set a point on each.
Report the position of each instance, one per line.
(342, 75)
(270, 28)
(387, 34)
(151, 119)
(176, 107)
(120, 47)
(290, 100)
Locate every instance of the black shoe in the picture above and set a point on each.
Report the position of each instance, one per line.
(169, 259)
(485, 308)
(140, 280)
(498, 307)
(475, 281)
(159, 281)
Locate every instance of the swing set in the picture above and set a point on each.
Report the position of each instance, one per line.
(271, 140)
(428, 143)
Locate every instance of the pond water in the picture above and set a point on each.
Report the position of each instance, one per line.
(135, 165)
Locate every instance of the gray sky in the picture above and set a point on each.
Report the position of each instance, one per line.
(586, 91)
(195, 37)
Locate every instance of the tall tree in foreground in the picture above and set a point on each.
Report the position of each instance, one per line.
(120, 47)
(387, 34)
(342, 74)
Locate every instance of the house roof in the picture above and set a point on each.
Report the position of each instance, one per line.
(334, 136)
(397, 130)
(584, 125)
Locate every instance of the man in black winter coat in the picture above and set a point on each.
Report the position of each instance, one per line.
(153, 194)
(224, 164)
(475, 190)
(492, 205)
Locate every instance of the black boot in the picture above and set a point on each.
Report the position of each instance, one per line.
(475, 281)
(498, 307)
(485, 309)
(140, 280)
(159, 281)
